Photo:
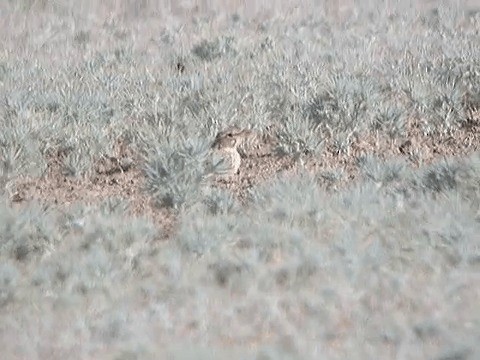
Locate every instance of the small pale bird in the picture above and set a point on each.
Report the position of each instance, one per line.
(225, 150)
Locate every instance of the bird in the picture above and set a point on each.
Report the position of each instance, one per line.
(225, 151)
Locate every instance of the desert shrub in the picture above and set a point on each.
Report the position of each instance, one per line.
(440, 104)
(103, 249)
(22, 143)
(202, 233)
(461, 175)
(440, 81)
(381, 172)
(210, 50)
(284, 199)
(218, 201)
(175, 174)
(298, 136)
(27, 232)
(345, 102)
(391, 120)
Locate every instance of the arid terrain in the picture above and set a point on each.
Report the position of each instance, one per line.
(350, 230)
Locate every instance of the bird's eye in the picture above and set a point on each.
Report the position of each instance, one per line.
(229, 135)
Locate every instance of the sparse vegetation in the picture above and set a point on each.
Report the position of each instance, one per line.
(116, 242)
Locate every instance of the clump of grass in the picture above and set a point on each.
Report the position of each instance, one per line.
(345, 103)
(9, 276)
(297, 136)
(391, 120)
(380, 172)
(284, 199)
(448, 175)
(201, 233)
(21, 144)
(441, 90)
(104, 247)
(330, 178)
(26, 233)
(211, 50)
(218, 201)
(176, 172)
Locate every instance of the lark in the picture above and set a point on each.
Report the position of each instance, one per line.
(225, 150)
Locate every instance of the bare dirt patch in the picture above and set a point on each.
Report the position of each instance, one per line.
(260, 163)
(63, 191)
